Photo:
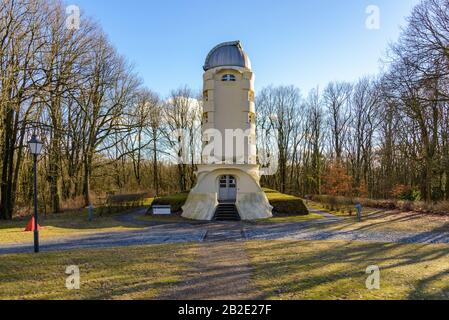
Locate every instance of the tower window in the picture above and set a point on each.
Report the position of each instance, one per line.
(251, 118)
(228, 77)
(251, 95)
(205, 117)
(206, 95)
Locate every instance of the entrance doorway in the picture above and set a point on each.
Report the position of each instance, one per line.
(227, 189)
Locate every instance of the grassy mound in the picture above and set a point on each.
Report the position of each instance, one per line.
(285, 205)
(176, 201)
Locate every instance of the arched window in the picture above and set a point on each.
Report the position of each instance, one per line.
(228, 77)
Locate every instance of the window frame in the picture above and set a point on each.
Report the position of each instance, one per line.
(228, 77)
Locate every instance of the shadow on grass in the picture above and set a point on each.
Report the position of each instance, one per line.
(389, 219)
(126, 273)
(336, 270)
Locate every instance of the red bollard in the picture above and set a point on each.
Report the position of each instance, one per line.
(30, 226)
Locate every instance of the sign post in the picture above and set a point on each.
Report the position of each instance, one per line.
(90, 209)
(359, 211)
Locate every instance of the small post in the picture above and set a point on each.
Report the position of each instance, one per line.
(90, 210)
(359, 211)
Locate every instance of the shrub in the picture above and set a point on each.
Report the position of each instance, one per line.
(133, 199)
(439, 207)
(176, 201)
(286, 205)
(406, 193)
(114, 203)
(334, 203)
(336, 181)
(405, 205)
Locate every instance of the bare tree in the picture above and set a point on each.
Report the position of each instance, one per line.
(336, 98)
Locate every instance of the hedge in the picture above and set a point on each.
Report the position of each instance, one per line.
(176, 201)
(286, 205)
(335, 203)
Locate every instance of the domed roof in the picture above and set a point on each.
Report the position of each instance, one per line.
(227, 54)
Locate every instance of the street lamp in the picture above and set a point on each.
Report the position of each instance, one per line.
(35, 147)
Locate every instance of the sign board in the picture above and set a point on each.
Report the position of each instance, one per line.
(161, 210)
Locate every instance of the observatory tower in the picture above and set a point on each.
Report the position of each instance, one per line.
(228, 179)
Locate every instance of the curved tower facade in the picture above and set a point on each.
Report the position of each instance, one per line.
(229, 175)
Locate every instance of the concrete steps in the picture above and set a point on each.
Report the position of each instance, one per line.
(227, 212)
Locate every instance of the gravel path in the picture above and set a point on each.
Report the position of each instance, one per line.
(222, 269)
(159, 233)
(167, 233)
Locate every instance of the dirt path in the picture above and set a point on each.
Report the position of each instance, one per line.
(222, 271)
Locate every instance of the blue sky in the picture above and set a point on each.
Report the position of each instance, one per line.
(306, 43)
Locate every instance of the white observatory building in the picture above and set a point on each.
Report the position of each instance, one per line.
(228, 179)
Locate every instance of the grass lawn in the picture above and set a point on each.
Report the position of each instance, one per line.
(285, 270)
(175, 218)
(388, 220)
(281, 219)
(296, 270)
(395, 221)
(120, 273)
(344, 211)
(61, 225)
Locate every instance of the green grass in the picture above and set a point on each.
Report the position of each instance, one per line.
(336, 270)
(163, 218)
(284, 219)
(286, 205)
(282, 270)
(120, 273)
(386, 220)
(342, 211)
(148, 202)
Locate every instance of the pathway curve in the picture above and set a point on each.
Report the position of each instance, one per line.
(160, 233)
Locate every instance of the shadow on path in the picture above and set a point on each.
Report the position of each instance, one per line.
(222, 270)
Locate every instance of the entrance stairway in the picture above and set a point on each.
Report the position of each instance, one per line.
(227, 212)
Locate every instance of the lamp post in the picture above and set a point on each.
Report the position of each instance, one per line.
(35, 147)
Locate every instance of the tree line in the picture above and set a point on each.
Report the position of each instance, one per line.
(380, 137)
(383, 136)
(103, 131)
